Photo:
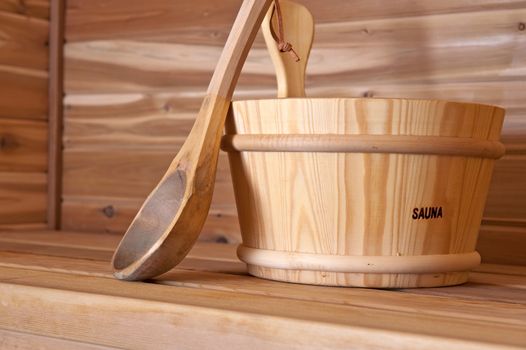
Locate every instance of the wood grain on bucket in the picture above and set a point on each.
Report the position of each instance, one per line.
(379, 201)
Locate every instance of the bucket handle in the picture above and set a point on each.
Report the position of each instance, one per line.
(404, 144)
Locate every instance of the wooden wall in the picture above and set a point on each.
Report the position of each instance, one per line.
(23, 111)
(135, 72)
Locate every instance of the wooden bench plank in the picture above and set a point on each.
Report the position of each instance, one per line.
(26, 341)
(221, 259)
(493, 311)
(105, 310)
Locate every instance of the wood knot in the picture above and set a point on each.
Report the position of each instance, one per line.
(522, 26)
(167, 107)
(221, 239)
(22, 7)
(7, 141)
(108, 211)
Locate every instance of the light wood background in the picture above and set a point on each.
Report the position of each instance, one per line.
(23, 111)
(135, 73)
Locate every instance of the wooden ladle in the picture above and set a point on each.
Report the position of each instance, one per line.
(298, 30)
(171, 218)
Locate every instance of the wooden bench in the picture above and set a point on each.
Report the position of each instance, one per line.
(57, 292)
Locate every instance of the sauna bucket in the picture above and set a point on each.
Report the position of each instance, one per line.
(367, 192)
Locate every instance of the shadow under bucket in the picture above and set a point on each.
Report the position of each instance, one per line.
(385, 193)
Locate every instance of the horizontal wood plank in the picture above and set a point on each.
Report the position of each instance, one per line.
(23, 145)
(22, 198)
(497, 244)
(90, 253)
(31, 8)
(167, 20)
(498, 310)
(424, 312)
(164, 119)
(23, 93)
(22, 227)
(135, 172)
(424, 50)
(507, 195)
(112, 67)
(24, 41)
(105, 311)
(114, 215)
(26, 341)
(128, 172)
(500, 244)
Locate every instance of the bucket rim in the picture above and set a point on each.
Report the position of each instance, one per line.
(371, 99)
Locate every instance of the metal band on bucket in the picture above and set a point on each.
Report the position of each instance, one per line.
(402, 144)
(411, 264)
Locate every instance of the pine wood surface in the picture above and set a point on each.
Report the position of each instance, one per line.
(22, 197)
(397, 50)
(26, 341)
(33, 8)
(24, 41)
(23, 144)
(23, 111)
(132, 92)
(323, 216)
(295, 22)
(50, 277)
(24, 93)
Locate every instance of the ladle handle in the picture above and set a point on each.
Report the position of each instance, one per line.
(236, 48)
(208, 127)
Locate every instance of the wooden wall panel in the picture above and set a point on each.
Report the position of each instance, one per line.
(128, 172)
(481, 46)
(24, 41)
(23, 145)
(23, 93)
(22, 197)
(169, 20)
(113, 215)
(30, 8)
(501, 244)
(507, 198)
(24, 28)
(135, 73)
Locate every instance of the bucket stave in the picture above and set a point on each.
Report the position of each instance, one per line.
(385, 193)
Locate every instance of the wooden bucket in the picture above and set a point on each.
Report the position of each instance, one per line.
(385, 193)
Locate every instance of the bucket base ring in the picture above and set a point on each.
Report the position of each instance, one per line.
(416, 264)
(367, 280)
